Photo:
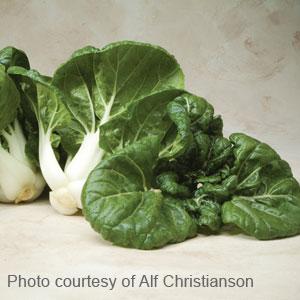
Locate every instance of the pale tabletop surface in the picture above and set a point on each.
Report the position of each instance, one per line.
(244, 57)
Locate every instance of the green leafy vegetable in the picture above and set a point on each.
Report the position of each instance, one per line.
(20, 179)
(150, 157)
(87, 91)
(119, 189)
(120, 203)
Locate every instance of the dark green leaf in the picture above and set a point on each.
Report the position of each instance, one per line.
(266, 203)
(119, 203)
(11, 56)
(9, 99)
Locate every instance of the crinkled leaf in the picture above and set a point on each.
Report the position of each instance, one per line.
(219, 192)
(206, 213)
(214, 152)
(179, 114)
(119, 203)
(191, 115)
(266, 203)
(197, 129)
(168, 183)
(210, 215)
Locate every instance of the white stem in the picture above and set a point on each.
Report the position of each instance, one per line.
(49, 165)
(86, 158)
(89, 153)
(75, 189)
(67, 185)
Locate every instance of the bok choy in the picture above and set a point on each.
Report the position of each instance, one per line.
(20, 178)
(87, 91)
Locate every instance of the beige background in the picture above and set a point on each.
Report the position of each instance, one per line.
(244, 57)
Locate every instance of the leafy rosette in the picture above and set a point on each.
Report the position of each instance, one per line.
(91, 88)
(140, 196)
